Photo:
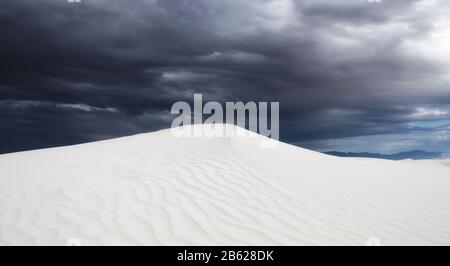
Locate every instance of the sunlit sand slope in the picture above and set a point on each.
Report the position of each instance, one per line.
(155, 189)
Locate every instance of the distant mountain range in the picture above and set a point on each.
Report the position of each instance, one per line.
(414, 155)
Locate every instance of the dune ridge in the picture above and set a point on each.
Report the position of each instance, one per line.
(155, 189)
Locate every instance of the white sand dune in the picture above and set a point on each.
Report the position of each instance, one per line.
(154, 189)
(446, 162)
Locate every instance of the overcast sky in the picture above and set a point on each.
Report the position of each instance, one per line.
(350, 75)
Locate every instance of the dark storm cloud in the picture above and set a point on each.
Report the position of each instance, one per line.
(72, 72)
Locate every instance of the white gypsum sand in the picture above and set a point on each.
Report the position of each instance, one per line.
(155, 189)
